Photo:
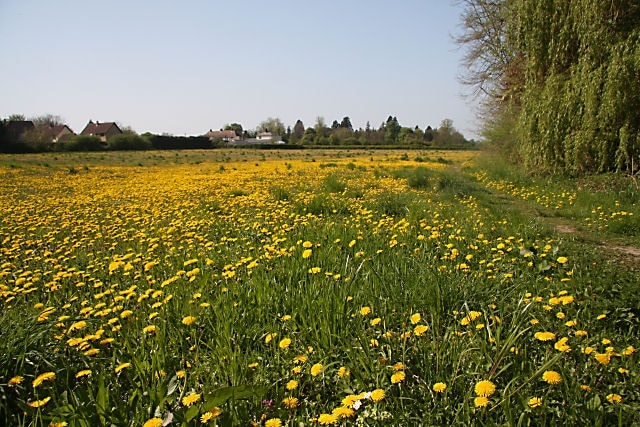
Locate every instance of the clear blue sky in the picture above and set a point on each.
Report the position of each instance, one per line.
(185, 67)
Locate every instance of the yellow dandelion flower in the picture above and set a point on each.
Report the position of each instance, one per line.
(420, 330)
(614, 398)
(603, 358)
(153, 422)
(327, 419)
(581, 333)
(399, 366)
(58, 424)
(562, 260)
(273, 422)
(181, 374)
(365, 310)
(210, 415)
(601, 316)
(292, 385)
(190, 399)
(350, 400)
(316, 369)
(307, 244)
(188, 320)
(375, 322)
(47, 376)
(343, 412)
(149, 329)
(535, 402)
(39, 403)
(397, 377)
(623, 371)
(484, 388)
(628, 351)
(122, 366)
(83, 373)
(307, 253)
(439, 387)
(544, 336)
(481, 401)
(253, 365)
(301, 358)
(585, 387)
(377, 395)
(290, 402)
(16, 380)
(269, 337)
(285, 317)
(415, 318)
(77, 326)
(343, 372)
(552, 377)
(284, 343)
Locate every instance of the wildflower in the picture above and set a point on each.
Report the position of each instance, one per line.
(181, 374)
(544, 336)
(39, 403)
(377, 395)
(562, 260)
(375, 322)
(601, 316)
(552, 377)
(290, 402)
(210, 415)
(307, 253)
(301, 358)
(420, 330)
(307, 244)
(623, 370)
(284, 343)
(122, 366)
(285, 317)
(153, 422)
(343, 412)
(398, 366)
(350, 400)
(484, 388)
(561, 345)
(316, 369)
(415, 318)
(77, 326)
(126, 313)
(628, 351)
(439, 387)
(190, 399)
(481, 401)
(91, 352)
(149, 329)
(16, 380)
(273, 422)
(58, 424)
(326, 419)
(614, 398)
(47, 376)
(188, 320)
(83, 373)
(269, 337)
(603, 358)
(585, 387)
(253, 365)
(581, 333)
(397, 377)
(343, 372)
(365, 310)
(535, 402)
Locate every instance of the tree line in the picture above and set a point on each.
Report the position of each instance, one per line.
(558, 81)
(342, 133)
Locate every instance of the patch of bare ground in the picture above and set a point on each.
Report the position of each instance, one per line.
(626, 254)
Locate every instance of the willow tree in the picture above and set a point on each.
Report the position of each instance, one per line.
(577, 107)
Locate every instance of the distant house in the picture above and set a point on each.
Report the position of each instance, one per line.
(57, 133)
(223, 135)
(264, 136)
(103, 130)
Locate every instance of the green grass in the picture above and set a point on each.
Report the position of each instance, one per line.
(441, 273)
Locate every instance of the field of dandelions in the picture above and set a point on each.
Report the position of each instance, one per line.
(354, 288)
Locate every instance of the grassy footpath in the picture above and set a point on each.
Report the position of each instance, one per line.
(240, 287)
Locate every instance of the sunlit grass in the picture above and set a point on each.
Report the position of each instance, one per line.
(331, 288)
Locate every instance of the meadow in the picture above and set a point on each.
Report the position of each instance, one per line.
(316, 287)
